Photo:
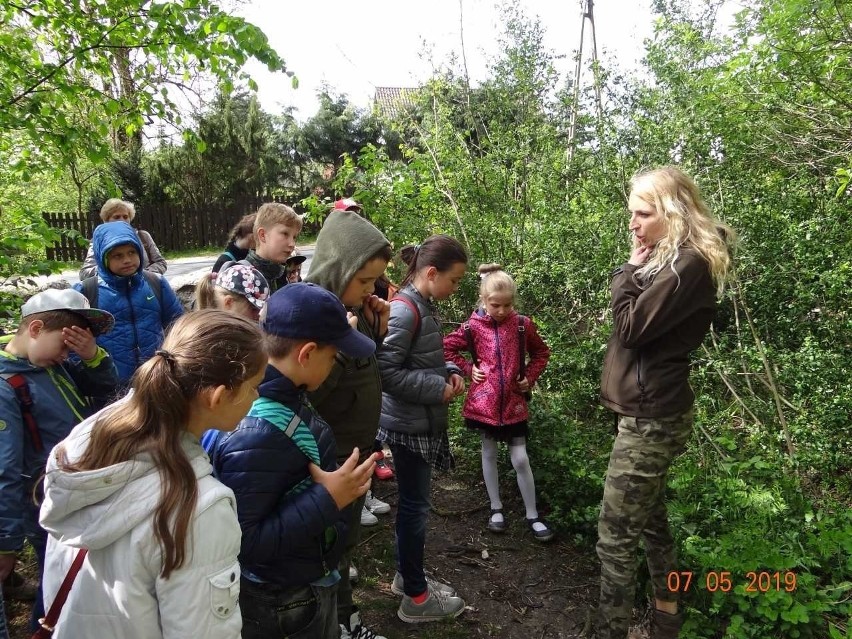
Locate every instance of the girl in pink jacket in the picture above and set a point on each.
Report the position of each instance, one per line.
(499, 340)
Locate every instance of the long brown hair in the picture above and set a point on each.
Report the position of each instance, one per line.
(203, 349)
(440, 251)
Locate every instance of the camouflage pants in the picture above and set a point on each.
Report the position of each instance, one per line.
(633, 507)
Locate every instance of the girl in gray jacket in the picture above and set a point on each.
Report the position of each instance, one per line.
(417, 385)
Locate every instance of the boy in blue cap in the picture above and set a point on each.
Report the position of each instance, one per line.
(292, 499)
(43, 395)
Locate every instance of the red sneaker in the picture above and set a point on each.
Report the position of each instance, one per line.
(383, 471)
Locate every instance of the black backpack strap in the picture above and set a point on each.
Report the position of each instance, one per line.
(471, 345)
(25, 401)
(90, 290)
(522, 351)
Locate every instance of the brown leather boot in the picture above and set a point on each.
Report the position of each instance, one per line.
(665, 625)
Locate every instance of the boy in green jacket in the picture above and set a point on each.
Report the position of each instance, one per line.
(350, 255)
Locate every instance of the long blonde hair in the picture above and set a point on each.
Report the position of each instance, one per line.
(203, 349)
(689, 223)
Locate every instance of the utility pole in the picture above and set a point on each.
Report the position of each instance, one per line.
(587, 12)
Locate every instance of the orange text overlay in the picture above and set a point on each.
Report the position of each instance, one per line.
(725, 581)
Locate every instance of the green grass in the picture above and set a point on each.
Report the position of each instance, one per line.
(194, 252)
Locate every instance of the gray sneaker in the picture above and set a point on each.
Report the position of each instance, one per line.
(431, 583)
(436, 607)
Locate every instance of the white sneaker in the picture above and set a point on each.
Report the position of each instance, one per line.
(368, 518)
(354, 575)
(376, 505)
(356, 629)
(431, 583)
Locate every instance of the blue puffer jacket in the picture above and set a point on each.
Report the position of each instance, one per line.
(59, 403)
(293, 532)
(139, 321)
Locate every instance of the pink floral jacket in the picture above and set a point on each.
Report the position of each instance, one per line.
(497, 400)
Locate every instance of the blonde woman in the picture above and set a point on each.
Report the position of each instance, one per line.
(663, 300)
(115, 210)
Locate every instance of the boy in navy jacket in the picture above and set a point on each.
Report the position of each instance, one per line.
(292, 499)
(43, 395)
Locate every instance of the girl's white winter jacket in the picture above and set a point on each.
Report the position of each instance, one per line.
(119, 591)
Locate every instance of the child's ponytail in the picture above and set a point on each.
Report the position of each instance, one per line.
(203, 349)
(440, 251)
(205, 292)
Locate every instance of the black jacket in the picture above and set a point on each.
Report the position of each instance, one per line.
(233, 253)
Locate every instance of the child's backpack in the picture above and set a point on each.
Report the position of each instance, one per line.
(522, 348)
(25, 402)
(90, 289)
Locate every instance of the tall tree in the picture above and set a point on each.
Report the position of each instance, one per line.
(76, 73)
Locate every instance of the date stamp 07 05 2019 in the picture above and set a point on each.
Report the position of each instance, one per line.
(723, 581)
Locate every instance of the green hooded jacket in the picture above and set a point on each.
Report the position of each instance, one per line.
(350, 399)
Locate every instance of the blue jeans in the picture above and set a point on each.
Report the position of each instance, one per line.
(414, 480)
(300, 612)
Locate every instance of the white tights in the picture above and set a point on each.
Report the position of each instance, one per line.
(521, 464)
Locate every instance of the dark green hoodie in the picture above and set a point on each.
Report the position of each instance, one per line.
(350, 400)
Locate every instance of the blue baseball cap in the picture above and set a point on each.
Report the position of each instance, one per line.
(306, 311)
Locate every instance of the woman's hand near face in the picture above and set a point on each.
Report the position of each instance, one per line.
(640, 255)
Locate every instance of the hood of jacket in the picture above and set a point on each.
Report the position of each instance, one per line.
(94, 508)
(105, 238)
(344, 244)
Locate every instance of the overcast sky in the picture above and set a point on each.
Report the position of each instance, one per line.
(356, 45)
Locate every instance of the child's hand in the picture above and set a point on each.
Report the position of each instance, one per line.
(449, 393)
(352, 319)
(524, 385)
(349, 482)
(457, 382)
(477, 374)
(374, 306)
(81, 341)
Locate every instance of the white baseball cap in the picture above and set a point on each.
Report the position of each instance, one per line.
(69, 300)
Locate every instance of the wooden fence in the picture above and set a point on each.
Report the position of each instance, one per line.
(173, 228)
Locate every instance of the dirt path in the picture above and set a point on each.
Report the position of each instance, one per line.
(515, 587)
